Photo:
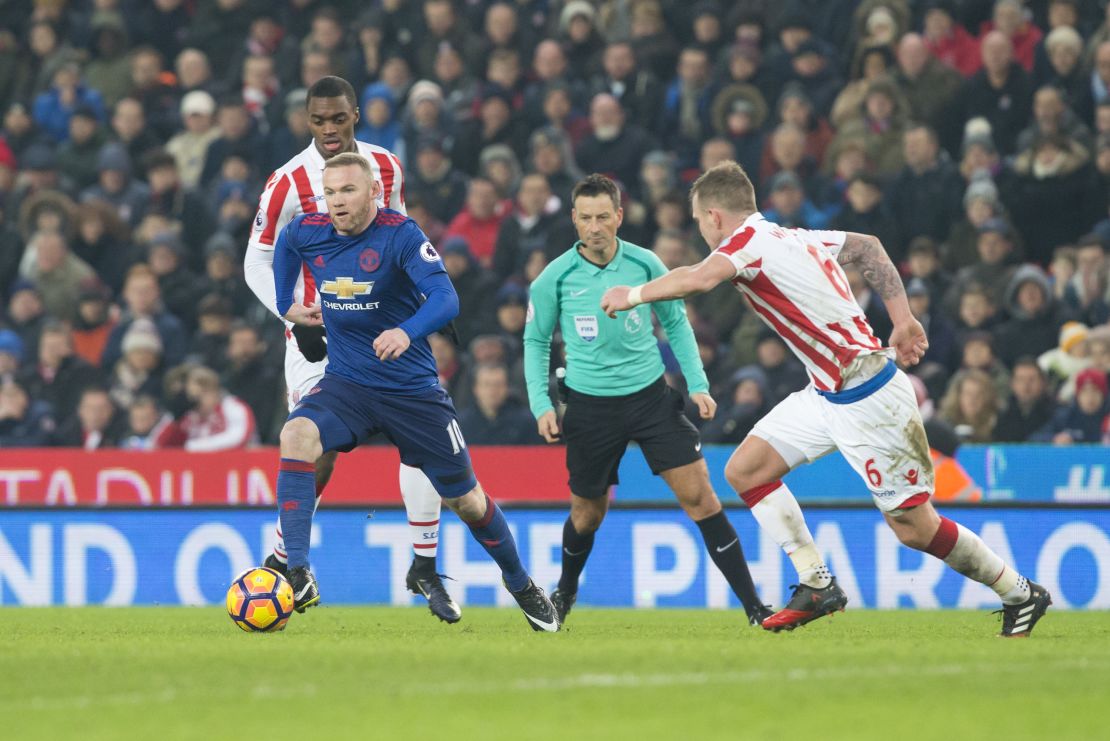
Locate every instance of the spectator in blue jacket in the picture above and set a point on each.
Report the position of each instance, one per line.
(379, 124)
(54, 107)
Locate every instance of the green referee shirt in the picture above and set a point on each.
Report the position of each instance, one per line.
(605, 357)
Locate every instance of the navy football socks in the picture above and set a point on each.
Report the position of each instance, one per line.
(296, 495)
(492, 531)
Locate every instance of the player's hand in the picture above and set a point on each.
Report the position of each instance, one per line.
(707, 408)
(306, 316)
(616, 299)
(391, 344)
(548, 426)
(909, 341)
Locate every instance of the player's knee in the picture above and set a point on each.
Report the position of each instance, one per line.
(911, 536)
(587, 514)
(587, 520)
(701, 504)
(912, 539)
(739, 474)
(470, 507)
(300, 439)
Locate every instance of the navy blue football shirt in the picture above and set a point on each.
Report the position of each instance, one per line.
(369, 283)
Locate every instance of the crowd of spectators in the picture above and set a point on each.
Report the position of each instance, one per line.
(973, 137)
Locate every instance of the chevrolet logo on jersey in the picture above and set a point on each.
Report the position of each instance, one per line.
(347, 288)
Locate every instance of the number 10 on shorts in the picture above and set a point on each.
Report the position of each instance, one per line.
(453, 432)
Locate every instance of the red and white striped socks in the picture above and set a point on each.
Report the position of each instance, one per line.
(422, 504)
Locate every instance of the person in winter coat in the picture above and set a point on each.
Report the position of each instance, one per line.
(749, 399)
(1035, 316)
(1030, 406)
(1087, 418)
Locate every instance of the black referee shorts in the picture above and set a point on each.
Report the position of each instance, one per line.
(598, 429)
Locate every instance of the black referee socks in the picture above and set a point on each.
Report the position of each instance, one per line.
(576, 549)
(724, 548)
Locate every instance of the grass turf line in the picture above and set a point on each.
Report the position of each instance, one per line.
(395, 673)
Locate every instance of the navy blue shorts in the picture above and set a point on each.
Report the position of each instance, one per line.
(422, 424)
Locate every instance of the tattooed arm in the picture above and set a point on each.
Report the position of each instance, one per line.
(867, 255)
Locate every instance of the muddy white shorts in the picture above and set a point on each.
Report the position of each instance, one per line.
(875, 425)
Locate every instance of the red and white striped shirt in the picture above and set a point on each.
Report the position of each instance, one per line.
(295, 188)
(792, 280)
(230, 426)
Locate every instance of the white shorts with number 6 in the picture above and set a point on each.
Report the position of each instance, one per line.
(881, 436)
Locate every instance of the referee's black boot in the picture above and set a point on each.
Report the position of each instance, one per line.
(563, 601)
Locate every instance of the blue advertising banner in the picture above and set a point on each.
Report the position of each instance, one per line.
(643, 558)
(1075, 474)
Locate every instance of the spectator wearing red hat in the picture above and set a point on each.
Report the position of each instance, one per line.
(1087, 418)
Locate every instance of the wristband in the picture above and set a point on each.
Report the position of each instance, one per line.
(634, 295)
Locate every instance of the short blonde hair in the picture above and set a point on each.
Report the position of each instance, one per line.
(725, 186)
(205, 378)
(350, 159)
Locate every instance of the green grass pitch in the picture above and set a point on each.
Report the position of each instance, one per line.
(394, 673)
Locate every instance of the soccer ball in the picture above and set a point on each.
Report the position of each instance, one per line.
(259, 600)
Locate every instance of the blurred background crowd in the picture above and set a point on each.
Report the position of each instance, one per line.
(973, 137)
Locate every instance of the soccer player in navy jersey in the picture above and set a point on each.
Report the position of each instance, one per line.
(383, 290)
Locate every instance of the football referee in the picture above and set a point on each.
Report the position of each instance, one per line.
(616, 393)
